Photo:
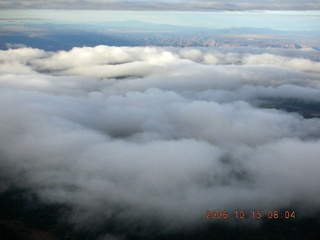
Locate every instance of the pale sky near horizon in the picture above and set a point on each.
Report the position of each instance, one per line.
(283, 20)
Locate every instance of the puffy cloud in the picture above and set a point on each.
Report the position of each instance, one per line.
(80, 128)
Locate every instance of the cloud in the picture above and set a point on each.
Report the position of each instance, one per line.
(144, 134)
(200, 5)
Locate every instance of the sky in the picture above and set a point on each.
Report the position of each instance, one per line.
(282, 20)
(281, 14)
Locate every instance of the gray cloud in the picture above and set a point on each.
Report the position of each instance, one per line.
(186, 134)
(200, 5)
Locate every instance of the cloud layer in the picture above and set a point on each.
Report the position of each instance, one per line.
(200, 5)
(155, 135)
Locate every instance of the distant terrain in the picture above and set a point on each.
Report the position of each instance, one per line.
(135, 33)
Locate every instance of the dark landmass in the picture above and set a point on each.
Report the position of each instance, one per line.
(306, 109)
(23, 216)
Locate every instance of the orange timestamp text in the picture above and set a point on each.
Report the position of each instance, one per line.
(254, 214)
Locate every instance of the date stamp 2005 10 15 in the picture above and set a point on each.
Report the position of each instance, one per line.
(254, 214)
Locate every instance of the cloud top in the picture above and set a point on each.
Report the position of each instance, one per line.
(143, 134)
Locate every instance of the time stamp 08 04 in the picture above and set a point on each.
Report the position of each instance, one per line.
(255, 214)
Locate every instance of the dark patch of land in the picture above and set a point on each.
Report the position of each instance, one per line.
(24, 217)
(306, 109)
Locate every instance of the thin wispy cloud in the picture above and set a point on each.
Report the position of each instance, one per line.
(200, 5)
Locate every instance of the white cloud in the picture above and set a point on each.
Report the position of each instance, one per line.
(186, 134)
